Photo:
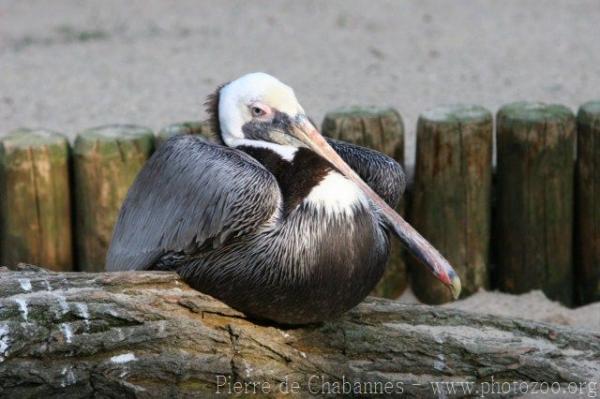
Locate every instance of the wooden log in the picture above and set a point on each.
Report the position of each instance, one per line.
(194, 127)
(587, 227)
(451, 196)
(148, 335)
(35, 204)
(106, 161)
(381, 129)
(534, 214)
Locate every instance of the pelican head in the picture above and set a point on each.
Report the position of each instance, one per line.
(258, 109)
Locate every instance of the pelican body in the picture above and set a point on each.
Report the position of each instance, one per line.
(275, 220)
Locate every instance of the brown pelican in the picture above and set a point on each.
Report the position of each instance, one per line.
(276, 221)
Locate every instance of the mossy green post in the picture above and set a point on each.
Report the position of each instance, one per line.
(35, 206)
(106, 161)
(451, 196)
(203, 129)
(534, 215)
(587, 226)
(381, 129)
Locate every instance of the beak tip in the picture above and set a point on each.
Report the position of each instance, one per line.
(455, 286)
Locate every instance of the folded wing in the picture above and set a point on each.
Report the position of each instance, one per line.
(190, 195)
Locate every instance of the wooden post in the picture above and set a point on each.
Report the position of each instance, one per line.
(381, 129)
(200, 128)
(451, 196)
(587, 227)
(534, 215)
(106, 161)
(35, 206)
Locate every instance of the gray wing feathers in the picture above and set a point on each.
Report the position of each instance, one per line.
(190, 195)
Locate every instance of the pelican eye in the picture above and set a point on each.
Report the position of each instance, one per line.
(257, 111)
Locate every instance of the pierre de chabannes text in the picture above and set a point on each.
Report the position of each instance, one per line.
(322, 385)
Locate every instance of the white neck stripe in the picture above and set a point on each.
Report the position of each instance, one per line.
(336, 194)
(287, 152)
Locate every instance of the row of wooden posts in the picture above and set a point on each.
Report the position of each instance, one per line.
(531, 222)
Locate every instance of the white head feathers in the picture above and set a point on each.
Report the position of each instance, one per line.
(236, 98)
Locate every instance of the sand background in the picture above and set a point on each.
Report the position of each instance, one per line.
(68, 65)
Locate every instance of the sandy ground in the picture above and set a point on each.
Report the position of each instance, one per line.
(533, 305)
(68, 65)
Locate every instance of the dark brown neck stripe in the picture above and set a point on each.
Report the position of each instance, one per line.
(296, 178)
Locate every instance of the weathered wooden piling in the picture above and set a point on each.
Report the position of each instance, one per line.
(534, 214)
(381, 129)
(203, 129)
(587, 194)
(106, 161)
(451, 193)
(35, 206)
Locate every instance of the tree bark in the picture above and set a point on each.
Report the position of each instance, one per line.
(147, 334)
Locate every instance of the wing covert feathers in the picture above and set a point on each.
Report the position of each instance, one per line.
(190, 194)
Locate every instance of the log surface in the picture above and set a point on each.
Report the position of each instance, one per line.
(147, 334)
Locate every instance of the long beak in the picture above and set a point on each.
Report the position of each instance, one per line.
(418, 246)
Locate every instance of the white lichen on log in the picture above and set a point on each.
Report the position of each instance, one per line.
(147, 334)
